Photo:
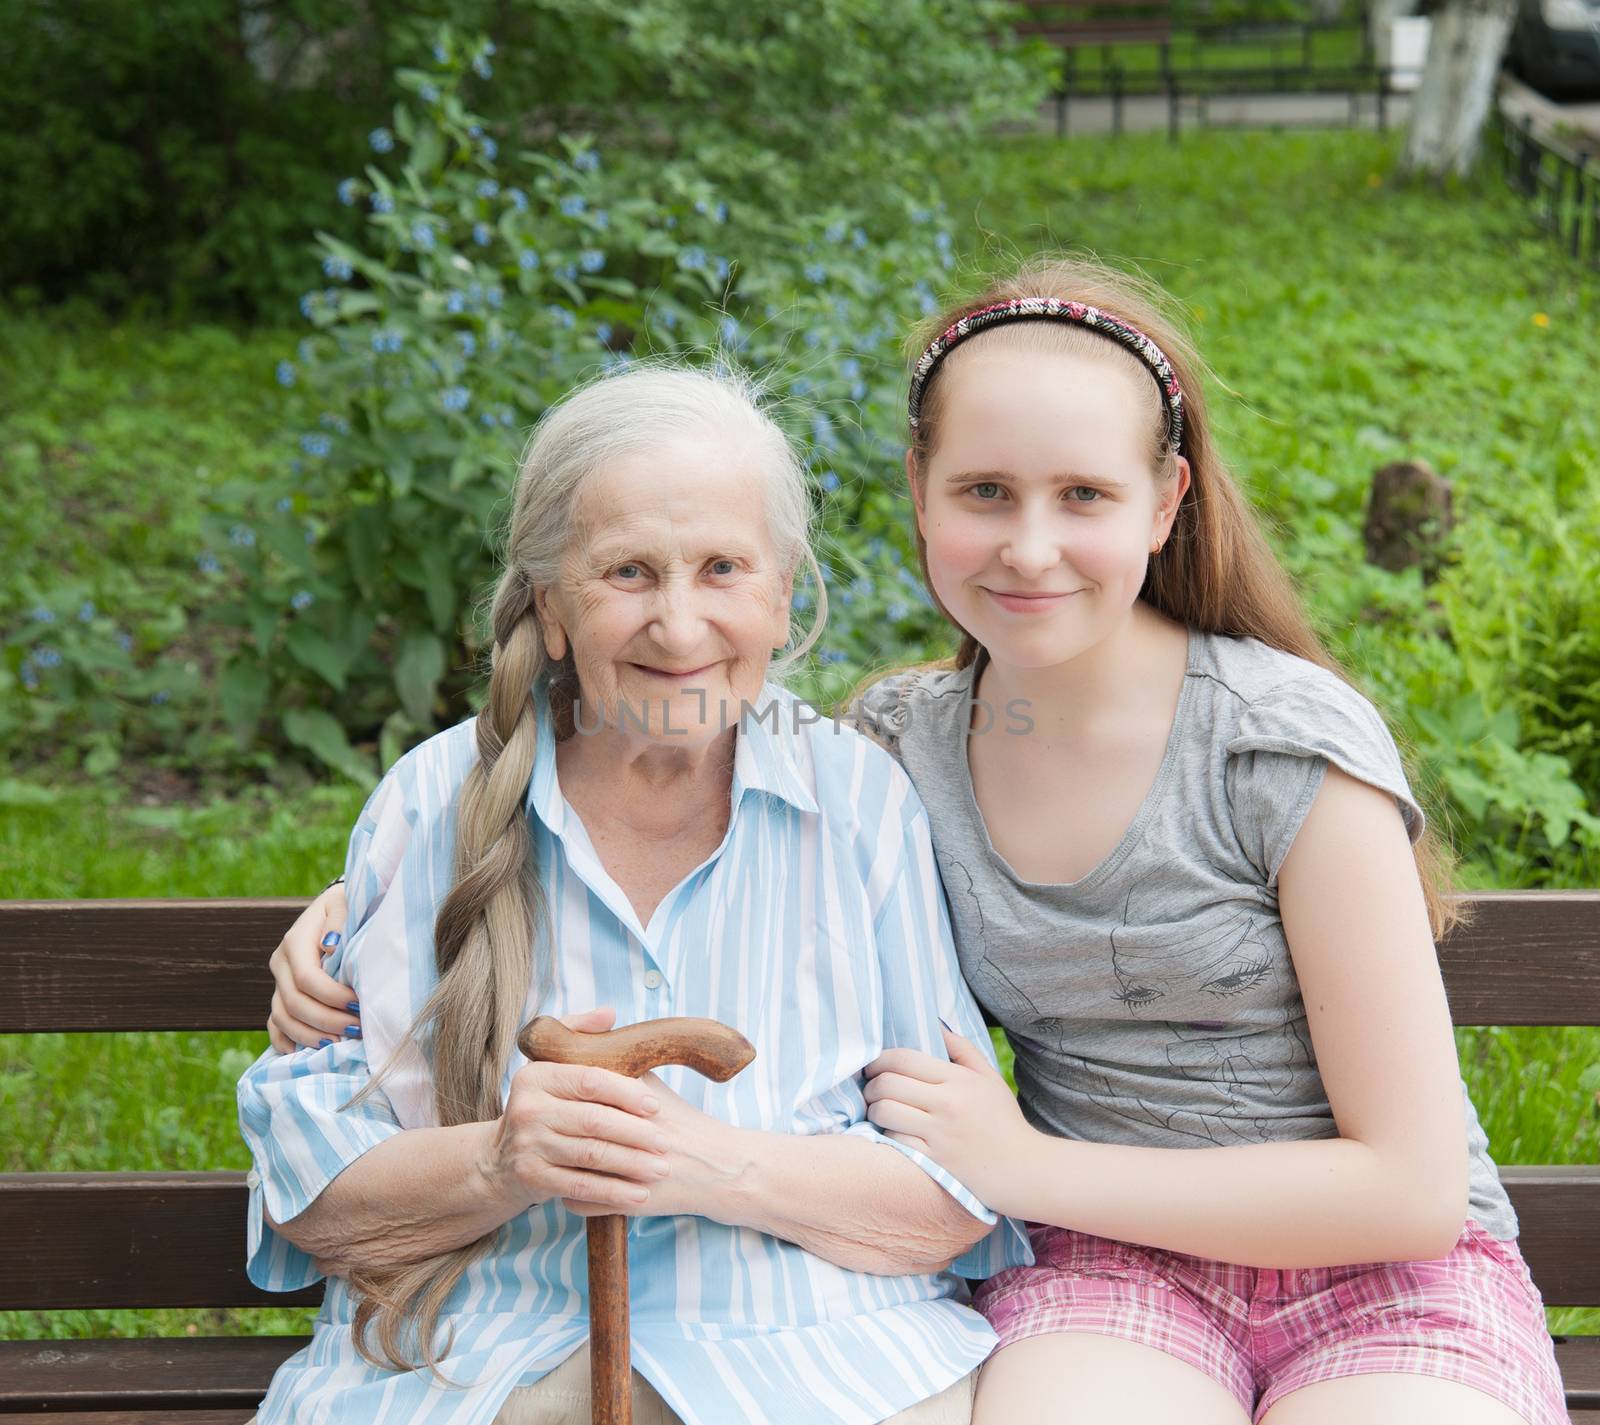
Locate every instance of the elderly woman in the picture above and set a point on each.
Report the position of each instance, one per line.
(640, 823)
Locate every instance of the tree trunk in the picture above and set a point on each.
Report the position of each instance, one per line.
(1465, 46)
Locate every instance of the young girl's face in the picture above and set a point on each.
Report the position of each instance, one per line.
(1039, 506)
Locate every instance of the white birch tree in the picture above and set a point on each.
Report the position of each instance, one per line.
(1465, 46)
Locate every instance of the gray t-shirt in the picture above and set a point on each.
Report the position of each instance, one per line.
(1153, 1001)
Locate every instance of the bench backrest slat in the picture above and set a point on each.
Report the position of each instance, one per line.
(95, 1240)
(1531, 957)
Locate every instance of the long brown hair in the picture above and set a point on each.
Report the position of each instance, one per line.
(1215, 572)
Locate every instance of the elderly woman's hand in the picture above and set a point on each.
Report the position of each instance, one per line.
(580, 1133)
(701, 1155)
(309, 1007)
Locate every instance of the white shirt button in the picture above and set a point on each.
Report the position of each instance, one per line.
(652, 979)
(252, 1179)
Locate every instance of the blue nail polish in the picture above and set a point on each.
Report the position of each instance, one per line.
(331, 940)
(324, 1043)
(353, 1030)
(353, 1007)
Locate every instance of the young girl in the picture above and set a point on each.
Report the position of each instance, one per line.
(1187, 875)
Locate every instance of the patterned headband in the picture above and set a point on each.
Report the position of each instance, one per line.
(1054, 309)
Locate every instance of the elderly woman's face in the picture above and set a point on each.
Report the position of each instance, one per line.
(671, 598)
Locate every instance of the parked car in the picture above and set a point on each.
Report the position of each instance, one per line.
(1555, 46)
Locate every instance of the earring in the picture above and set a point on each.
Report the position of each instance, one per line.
(1156, 547)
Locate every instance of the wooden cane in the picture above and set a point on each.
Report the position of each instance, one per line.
(704, 1045)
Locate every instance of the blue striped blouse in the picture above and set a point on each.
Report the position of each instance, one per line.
(818, 928)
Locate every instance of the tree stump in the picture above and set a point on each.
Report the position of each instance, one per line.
(1408, 517)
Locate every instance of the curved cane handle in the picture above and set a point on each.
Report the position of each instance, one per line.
(704, 1045)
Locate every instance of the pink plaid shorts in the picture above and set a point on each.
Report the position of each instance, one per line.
(1474, 1316)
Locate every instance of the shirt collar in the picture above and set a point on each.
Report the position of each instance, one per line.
(766, 757)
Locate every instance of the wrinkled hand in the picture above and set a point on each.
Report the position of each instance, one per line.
(310, 1007)
(575, 1132)
(701, 1155)
(962, 1114)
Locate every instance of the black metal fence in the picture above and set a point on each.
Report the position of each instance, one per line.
(1561, 184)
(1190, 67)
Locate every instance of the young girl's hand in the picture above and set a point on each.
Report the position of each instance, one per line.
(308, 1005)
(962, 1113)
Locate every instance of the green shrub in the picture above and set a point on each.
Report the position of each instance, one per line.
(482, 288)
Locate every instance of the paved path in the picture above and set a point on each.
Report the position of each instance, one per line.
(1146, 112)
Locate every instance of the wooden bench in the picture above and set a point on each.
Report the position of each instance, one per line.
(1083, 30)
(139, 1239)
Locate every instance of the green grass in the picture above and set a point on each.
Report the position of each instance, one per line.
(1347, 321)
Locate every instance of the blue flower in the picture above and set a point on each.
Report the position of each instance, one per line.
(455, 398)
(86, 611)
(815, 272)
(568, 272)
(862, 588)
(588, 161)
(308, 304)
(720, 213)
(813, 338)
(488, 46)
(802, 600)
(284, 504)
(572, 205)
(286, 373)
(602, 333)
(897, 611)
(519, 199)
(482, 68)
(305, 349)
(382, 140)
(669, 319)
(802, 385)
(476, 131)
(858, 390)
(387, 340)
(125, 642)
(336, 268)
(160, 696)
(614, 361)
(920, 216)
(731, 332)
(835, 232)
(468, 343)
(829, 481)
(242, 534)
(832, 655)
(601, 219)
(207, 563)
(422, 234)
(850, 368)
(47, 657)
(527, 259)
(722, 269)
(382, 203)
(822, 431)
(488, 188)
(591, 259)
(30, 679)
(692, 259)
(482, 234)
(455, 303)
(491, 150)
(429, 94)
(486, 418)
(562, 316)
(506, 418)
(942, 240)
(301, 600)
(317, 446)
(439, 54)
(348, 189)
